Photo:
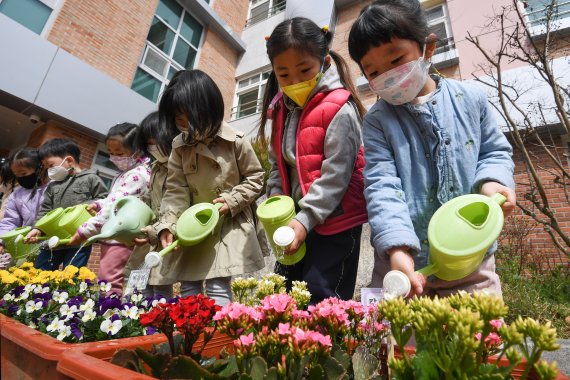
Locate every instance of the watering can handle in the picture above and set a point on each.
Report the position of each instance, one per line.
(499, 198)
(169, 248)
(219, 205)
(428, 270)
(118, 204)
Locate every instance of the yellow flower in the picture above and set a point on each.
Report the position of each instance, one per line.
(27, 264)
(86, 274)
(70, 270)
(21, 274)
(9, 279)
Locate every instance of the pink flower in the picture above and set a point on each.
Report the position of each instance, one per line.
(478, 336)
(247, 340)
(496, 323)
(277, 302)
(493, 339)
(284, 329)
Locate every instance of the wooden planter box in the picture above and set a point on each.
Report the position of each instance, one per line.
(91, 361)
(27, 354)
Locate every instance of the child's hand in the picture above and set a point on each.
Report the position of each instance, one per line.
(225, 208)
(32, 236)
(166, 238)
(491, 188)
(142, 240)
(401, 260)
(300, 236)
(93, 208)
(76, 239)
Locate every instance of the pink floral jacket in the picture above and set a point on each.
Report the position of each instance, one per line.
(132, 182)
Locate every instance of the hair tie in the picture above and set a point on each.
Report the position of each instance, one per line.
(266, 38)
(325, 28)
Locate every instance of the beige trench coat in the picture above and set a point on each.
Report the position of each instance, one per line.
(157, 189)
(227, 167)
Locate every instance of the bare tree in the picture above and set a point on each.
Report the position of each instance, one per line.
(532, 123)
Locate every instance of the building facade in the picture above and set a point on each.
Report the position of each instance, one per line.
(74, 68)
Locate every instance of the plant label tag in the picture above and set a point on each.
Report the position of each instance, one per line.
(137, 280)
(371, 296)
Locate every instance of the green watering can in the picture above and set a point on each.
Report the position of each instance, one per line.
(277, 212)
(194, 226)
(49, 226)
(128, 217)
(14, 244)
(460, 233)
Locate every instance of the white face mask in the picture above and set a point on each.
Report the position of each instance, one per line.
(58, 173)
(402, 84)
(157, 154)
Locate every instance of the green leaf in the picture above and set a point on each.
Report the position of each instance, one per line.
(341, 356)
(258, 368)
(364, 363)
(184, 367)
(230, 369)
(316, 372)
(157, 361)
(127, 359)
(272, 374)
(333, 369)
(424, 366)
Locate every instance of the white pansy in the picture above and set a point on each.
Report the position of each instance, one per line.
(131, 312)
(60, 297)
(83, 287)
(88, 315)
(137, 297)
(67, 311)
(156, 302)
(39, 289)
(19, 312)
(23, 296)
(104, 286)
(53, 325)
(89, 304)
(28, 288)
(64, 332)
(32, 306)
(111, 327)
(32, 325)
(8, 297)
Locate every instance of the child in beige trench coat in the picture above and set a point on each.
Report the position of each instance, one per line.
(210, 162)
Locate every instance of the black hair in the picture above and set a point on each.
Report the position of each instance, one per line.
(194, 94)
(127, 132)
(382, 20)
(7, 177)
(150, 128)
(59, 148)
(29, 158)
(302, 34)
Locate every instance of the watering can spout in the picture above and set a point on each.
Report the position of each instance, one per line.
(95, 238)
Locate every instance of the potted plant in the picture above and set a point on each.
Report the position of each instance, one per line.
(44, 312)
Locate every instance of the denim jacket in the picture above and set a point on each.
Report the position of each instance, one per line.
(421, 156)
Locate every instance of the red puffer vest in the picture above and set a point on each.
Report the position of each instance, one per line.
(309, 153)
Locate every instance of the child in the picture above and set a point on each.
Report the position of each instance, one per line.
(69, 186)
(427, 140)
(210, 162)
(133, 180)
(316, 155)
(7, 184)
(23, 205)
(157, 142)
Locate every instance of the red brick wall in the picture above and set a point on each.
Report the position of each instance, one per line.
(52, 130)
(539, 242)
(88, 144)
(234, 13)
(218, 59)
(108, 35)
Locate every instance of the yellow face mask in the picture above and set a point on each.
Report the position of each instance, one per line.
(299, 92)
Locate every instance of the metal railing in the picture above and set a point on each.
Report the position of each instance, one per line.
(536, 17)
(444, 45)
(277, 8)
(246, 109)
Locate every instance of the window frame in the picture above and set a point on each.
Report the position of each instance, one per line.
(446, 22)
(55, 6)
(103, 171)
(171, 62)
(259, 84)
(270, 10)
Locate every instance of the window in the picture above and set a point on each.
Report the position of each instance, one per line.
(249, 95)
(438, 23)
(103, 165)
(171, 45)
(33, 14)
(260, 10)
(537, 10)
